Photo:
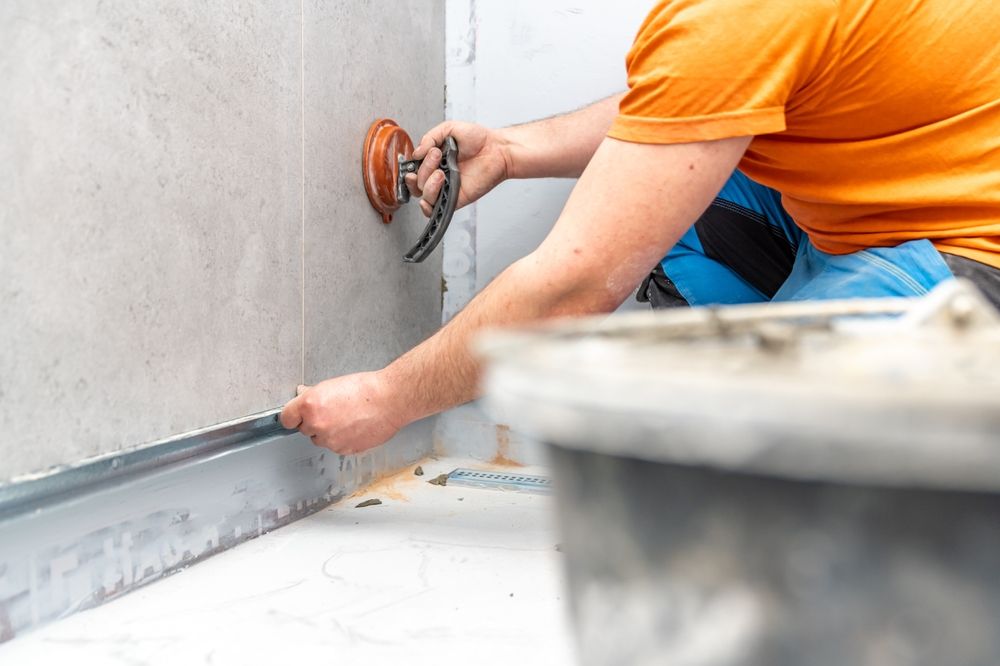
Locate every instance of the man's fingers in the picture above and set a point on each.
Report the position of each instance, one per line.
(428, 168)
(327, 443)
(434, 137)
(431, 191)
(411, 184)
(291, 415)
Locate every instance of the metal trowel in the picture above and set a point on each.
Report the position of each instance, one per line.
(385, 161)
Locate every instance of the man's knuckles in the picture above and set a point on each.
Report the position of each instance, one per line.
(289, 419)
(429, 169)
(311, 405)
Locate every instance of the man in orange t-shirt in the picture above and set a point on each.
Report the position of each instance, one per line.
(765, 150)
(875, 167)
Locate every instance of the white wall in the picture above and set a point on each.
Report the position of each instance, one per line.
(532, 60)
(512, 62)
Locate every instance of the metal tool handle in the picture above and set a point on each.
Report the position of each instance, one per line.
(444, 207)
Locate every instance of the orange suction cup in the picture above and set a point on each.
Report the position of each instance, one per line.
(386, 144)
(388, 157)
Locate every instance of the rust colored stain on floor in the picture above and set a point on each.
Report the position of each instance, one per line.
(391, 487)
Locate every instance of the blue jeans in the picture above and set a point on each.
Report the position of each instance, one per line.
(747, 249)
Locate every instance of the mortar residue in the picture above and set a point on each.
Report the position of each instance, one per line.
(388, 487)
(502, 458)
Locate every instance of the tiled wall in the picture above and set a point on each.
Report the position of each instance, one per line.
(185, 236)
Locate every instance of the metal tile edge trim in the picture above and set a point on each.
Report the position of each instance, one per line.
(22, 494)
(109, 533)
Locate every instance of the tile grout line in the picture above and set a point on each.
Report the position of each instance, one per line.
(302, 129)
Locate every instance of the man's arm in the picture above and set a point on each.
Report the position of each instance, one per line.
(630, 206)
(557, 147)
(561, 146)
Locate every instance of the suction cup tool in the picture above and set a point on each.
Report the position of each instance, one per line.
(386, 145)
(385, 162)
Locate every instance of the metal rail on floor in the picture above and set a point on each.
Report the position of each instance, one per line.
(80, 536)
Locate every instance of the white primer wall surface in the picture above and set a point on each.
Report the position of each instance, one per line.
(534, 60)
(509, 63)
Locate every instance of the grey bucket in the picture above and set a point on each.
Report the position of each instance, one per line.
(773, 485)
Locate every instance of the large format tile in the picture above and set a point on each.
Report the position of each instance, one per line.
(363, 305)
(150, 174)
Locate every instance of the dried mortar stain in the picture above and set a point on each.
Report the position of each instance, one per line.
(502, 458)
(387, 487)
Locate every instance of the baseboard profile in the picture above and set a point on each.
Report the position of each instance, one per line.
(84, 535)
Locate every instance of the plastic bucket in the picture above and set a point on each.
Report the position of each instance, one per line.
(773, 485)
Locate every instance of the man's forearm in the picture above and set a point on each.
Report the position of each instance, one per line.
(630, 206)
(442, 371)
(561, 146)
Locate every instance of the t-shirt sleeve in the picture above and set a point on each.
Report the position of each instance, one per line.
(712, 69)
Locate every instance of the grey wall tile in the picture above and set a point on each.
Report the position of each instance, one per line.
(363, 305)
(150, 180)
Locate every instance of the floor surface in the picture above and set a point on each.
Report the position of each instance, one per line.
(433, 575)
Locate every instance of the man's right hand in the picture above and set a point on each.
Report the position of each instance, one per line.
(348, 414)
(483, 160)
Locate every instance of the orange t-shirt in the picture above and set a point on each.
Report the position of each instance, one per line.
(877, 120)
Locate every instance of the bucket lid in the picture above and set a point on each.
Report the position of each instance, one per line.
(884, 391)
